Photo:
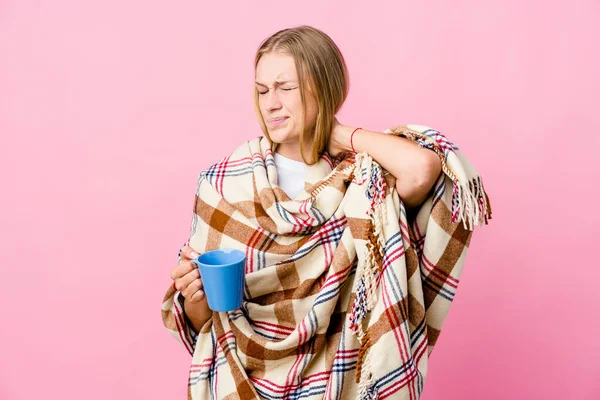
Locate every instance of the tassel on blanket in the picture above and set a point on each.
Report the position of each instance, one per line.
(470, 202)
(366, 384)
(369, 267)
(371, 263)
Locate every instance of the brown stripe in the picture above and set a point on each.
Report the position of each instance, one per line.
(168, 320)
(307, 288)
(284, 312)
(288, 275)
(256, 346)
(459, 240)
(257, 354)
(336, 180)
(443, 217)
(350, 302)
(288, 278)
(216, 220)
(416, 311)
(170, 293)
(392, 317)
(255, 361)
(359, 227)
(334, 335)
(244, 389)
(412, 261)
(263, 201)
(454, 249)
(238, 230)
(314, 345)
(432, 335)
(410, 254)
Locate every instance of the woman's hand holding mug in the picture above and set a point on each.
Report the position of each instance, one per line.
(186, 278)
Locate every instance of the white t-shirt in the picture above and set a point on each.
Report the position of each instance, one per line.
(290, 175)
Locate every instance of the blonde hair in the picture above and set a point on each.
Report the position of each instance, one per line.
(321, 66)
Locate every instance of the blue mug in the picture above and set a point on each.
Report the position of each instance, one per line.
(222, 273)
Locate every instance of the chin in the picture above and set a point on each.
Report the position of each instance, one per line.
(281, 136)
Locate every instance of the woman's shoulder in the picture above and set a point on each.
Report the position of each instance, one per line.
(410, 128)
(244, 147)
(238, 158)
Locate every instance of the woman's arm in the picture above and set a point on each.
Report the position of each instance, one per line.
(197, 314)
(415, 168)
(182, 318)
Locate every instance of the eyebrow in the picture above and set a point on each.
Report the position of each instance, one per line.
(276, 83)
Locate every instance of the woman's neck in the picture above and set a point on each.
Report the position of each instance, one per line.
(293, 152)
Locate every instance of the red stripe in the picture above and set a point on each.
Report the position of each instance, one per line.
(180, 324)
(327, 229)
(399, 385)
(227, 335)
(332, 278)
(239, 162)
(225, 166)
(250, 249)
(204, 363)
(272, 330)
(318, 377)
(441, 275)
(347, 351)
(421, 349)
(398, 332)
(347, 356)
(294, 369)
(283, 328)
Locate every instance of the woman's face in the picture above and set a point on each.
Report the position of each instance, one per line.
(280, 102)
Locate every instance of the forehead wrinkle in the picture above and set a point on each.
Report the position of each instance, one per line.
(277, 83)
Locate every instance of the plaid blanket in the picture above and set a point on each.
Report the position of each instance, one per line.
(345, 292)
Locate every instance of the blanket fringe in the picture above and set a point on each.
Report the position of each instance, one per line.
(366, 384)
(371, 265)
(470, 202)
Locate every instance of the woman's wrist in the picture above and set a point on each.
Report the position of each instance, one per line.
(353, 138)
(197, 313)
(345, 138)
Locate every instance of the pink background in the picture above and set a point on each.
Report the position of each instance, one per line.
(109, 109)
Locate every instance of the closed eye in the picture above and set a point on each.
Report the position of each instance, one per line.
(287, 90)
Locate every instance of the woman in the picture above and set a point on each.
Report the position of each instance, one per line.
(345, 294)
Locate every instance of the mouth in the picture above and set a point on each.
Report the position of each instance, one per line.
(277, 121)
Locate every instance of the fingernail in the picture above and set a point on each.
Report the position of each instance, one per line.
(194, 254)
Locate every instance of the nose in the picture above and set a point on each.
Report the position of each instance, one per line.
(273, 102)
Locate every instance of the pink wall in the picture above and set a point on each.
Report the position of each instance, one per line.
(108, 111)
